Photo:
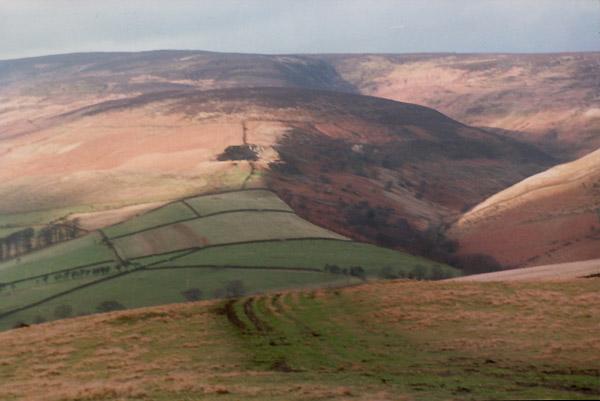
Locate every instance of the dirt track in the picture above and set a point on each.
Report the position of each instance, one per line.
(563, 271)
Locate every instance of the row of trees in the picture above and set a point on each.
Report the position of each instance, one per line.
(231, 289)
(418, 272)
(27, 240)
(355, 271)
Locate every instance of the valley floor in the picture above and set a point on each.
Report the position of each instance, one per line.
(397, 340)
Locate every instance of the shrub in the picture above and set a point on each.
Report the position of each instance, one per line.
(476, 263)
(357, 271)
(387, 273)
(232, 289)
(285, 167)
(417, 272)
(235, 289)
(109, 306)
(437, 273)
(239, 152)
(192, 294)
(334, 269)
(39, 319)
(63, 311)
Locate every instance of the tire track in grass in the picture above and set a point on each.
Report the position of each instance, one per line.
(261, 326)
(276, 303)
(229, 311)
(279, 361)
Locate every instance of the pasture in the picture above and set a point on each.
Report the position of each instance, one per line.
(211, 246)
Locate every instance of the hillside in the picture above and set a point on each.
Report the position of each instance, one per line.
(552, 100)
(560, 271)
(385, 341)
(371, 169)
(549, 218)
(33, 89)
(210, 246)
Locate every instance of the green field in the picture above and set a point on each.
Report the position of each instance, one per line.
(315, 253)
(139, 289)
(81, 251)
(220, 229)
(164, 215)
(228, 244)
(255, 199)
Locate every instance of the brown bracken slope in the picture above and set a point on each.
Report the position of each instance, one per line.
(552, 100)
(549, 218)
(549, 99)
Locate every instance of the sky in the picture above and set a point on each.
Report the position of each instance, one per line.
(40, 27)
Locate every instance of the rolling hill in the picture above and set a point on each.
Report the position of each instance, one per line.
(88, 141)
(371, 169)
(552, 217)
(548, 99)
(380, 341)
(551, 100)
(141, 180)
(217, 245)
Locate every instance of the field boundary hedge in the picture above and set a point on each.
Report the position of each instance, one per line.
(241, 267)
(203, 217)
(199, 249)
(58, 271)
(149, 267)
(185, 198)
(66, 292)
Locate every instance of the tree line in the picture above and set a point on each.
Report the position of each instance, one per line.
(24, 241)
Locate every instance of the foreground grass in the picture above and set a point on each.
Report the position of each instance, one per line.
(381, 341)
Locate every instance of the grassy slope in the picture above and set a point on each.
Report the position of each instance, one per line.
(220, 229)
(164, 215)
(81, 251)
(171, 250)
(383, 341)
(216, 181)
(312, 254)
(258, 199)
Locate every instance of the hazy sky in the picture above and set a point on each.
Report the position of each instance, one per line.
(36, 27)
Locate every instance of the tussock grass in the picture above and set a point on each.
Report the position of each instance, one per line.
(400, 340)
